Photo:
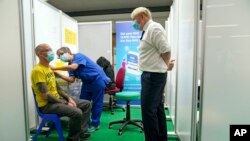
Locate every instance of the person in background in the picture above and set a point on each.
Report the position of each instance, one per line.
(93, 78)
(154, 56)
(109, 71)
(52, 99)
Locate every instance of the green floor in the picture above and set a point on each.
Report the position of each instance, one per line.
(130, 133)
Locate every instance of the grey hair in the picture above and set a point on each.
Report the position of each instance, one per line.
(65, 50)
(139, 11)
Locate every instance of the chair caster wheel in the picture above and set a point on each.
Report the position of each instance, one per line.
(110, 126)
(119, 133)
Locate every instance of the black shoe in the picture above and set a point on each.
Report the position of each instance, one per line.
(84, 136)
(71, 139)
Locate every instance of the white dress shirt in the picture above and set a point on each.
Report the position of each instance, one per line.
(153, 44)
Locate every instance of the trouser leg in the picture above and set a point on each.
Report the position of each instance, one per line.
(151, 102)
(162, 123)
(85, 106)
(97, 105)
(95, 93)
(75, 115)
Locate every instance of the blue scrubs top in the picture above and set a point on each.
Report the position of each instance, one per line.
(88, 71)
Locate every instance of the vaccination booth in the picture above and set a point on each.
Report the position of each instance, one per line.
(206, 92)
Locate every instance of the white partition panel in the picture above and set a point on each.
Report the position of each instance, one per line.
(186, 71)
(69, 33)
(172, 76)
(200, 53)
(29, 59)
(47, 24)
(12, 116)
(167, 94)
(225, 88)
(95, 39)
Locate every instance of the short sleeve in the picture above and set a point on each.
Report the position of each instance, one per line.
(159, 39)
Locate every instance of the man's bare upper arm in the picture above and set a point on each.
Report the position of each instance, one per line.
(42, 87)
(58, 87)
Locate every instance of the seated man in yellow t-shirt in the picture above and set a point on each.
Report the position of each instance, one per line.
(52, 99)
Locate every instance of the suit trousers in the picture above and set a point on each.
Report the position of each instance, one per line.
(152, 106)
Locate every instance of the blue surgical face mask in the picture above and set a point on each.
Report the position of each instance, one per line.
(50, 56)
(64, 57)
(136, 25)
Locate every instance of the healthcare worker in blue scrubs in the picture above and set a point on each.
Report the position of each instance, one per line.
(94, 80)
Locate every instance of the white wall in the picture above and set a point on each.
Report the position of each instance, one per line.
(225, 87)
(29, 60)
(186, 68)
(12, 117)
(172, 76)
(47, 24)
(95, 39)
(69, 39)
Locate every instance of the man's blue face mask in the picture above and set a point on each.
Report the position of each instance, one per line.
(136, 25)
(64, 57)
(50, 56)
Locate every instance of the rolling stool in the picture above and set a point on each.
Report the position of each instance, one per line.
(127, 96)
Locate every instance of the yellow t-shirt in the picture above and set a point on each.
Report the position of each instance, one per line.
(44, 74)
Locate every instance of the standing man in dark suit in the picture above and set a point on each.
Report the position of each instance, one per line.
(154, 62)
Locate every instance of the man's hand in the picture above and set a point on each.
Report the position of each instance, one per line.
(52, 67)
(71, 102)
(170, 65)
